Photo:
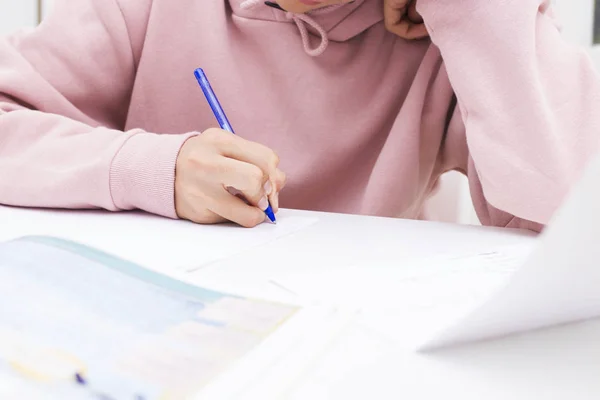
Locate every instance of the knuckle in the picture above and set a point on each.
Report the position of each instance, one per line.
(283, 179)
(217, 136)
(256, 177)
(273, 160)
(211, 133)
(280, 180)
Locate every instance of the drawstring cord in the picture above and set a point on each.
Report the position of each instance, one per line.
(301, 20)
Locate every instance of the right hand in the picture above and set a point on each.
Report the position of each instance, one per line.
(221, 177)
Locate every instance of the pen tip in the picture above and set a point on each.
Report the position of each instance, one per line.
(271, 215)
(80, 379)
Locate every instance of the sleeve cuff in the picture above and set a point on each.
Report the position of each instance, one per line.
(142, 174)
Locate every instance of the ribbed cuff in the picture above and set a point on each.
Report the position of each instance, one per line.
(142, 174)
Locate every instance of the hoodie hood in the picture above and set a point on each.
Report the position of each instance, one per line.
(339, 23)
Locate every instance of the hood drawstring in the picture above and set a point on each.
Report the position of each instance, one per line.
(301, 21)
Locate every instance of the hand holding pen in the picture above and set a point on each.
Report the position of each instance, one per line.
(222, 177)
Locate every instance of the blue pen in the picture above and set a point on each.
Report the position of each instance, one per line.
(211, 97)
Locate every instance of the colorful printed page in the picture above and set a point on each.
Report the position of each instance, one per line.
(78, 323)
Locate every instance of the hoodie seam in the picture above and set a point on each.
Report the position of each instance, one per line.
(128, 33)
(276, 21)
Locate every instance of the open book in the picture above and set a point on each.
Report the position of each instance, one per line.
(79, 323)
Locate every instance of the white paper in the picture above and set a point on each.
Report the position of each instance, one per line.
(558, 284)
(157, 243)
(282, 360)
(418, 284)
(410, 301)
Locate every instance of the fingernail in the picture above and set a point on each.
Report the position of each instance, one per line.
(268, 188)
(263, 203)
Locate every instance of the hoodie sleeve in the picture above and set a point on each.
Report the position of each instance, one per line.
(528, 99)
(64, 98)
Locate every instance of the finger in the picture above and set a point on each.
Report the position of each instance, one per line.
(247, 179)
(270, 193)
(235, 147)
(236, 210)
(262, 203)
(205, 217)
(398, 21)
(393, 13)
(280, 180)
(237, 194)
(413, 14)
(279, 184)
(273, 199)
(408, 30)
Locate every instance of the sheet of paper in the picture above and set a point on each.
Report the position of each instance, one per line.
(158, 243)
(406, 302)
(420, 283)
(378, 242)
(558, 284)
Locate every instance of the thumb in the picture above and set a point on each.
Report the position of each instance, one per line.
(413, 14)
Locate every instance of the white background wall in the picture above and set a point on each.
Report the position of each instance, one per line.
(45, 6)
(453, 202)
(16, 14)
(577, 18)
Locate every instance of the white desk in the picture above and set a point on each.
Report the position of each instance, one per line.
(562, 363)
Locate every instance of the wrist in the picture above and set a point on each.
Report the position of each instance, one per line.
(142, 174)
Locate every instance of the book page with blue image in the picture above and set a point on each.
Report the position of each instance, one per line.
(77, 323)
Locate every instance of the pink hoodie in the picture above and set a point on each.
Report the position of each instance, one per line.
(98, 100)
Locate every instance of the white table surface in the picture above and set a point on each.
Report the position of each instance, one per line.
(560, 363)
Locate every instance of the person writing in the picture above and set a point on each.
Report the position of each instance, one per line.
(364, 104)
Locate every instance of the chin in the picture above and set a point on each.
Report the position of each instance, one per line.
(296, 6)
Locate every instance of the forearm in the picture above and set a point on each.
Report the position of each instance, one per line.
(52, 161)
(528, 99)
